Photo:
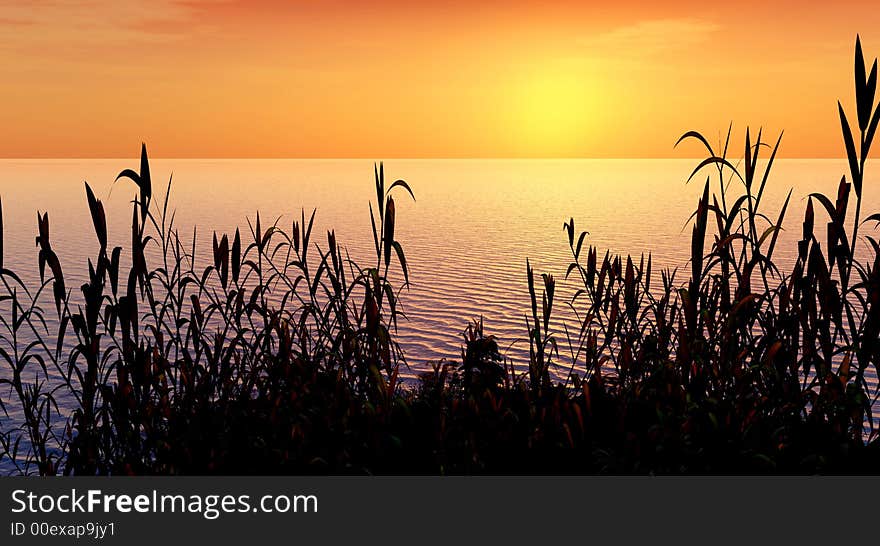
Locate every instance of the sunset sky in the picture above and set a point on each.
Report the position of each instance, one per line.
(391, 79)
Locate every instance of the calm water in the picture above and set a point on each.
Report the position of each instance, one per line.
(467, 237)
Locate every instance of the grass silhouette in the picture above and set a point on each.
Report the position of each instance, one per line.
(280, 356)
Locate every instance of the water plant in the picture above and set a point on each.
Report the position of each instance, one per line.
(277, 353)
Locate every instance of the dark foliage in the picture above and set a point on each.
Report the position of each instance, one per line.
(279, 356)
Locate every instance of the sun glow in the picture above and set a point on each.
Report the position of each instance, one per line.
(555, 113)
(451, 79)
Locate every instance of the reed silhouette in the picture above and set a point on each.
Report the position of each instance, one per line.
(280, 355)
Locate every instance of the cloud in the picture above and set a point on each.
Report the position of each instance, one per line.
(10, 22)
(650, 37)
(70, 27)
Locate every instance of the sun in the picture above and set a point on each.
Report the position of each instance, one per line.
(554, 113)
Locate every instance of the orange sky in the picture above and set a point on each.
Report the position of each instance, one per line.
(386, 79)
